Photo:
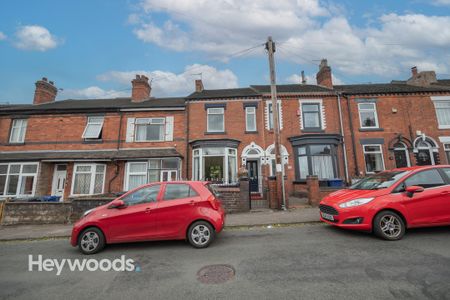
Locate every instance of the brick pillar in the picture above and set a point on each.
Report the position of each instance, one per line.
(244, 187)
(312, 181)
(273, 199)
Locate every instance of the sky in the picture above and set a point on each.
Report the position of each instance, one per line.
(94, 48)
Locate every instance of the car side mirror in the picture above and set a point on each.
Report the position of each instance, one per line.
(117, 204)
(411, 190)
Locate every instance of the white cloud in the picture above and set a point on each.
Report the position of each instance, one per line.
(440, 2)
(92, 92)
(2, 36)
(171, 84)
(304, 30)
(34, 37)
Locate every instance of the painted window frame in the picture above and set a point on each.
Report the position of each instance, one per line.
(380, 146)
(447, 151)
(318, 113)
(374, 110)
(22, 130)
(309, 158)
(249, 114)
(269, 115)
(437, 100)
(138, 122)
(92, 122)
(209, 112)
(21, 174)
(93, 173)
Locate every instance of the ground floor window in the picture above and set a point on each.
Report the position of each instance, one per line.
(447, 152)
(215, 164)
(317, 160)
(373, 157)
(152, 170)
(18, 179)
(88, 179)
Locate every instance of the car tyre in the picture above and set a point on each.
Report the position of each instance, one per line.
(389, 225)
(201, 234)
(91, 241)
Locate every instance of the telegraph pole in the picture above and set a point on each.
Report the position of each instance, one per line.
(270, 47)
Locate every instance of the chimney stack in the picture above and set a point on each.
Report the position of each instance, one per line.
(199, 86)
(323, 77)
(423, 78)
(140, 89)
(303, 77)
(45, 91)
(414, 71)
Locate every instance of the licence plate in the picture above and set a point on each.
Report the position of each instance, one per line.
(327, 216)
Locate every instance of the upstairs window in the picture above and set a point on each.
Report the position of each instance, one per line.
(311, 116)
(216, 121)
(368, 115)
(150, 129)
(443, 113)
(270, 115)
(18, 130)
(250, 119)
(93, 128)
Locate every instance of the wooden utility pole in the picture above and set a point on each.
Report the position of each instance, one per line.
(270, 46)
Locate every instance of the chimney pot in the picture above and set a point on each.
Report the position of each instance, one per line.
(140, 88)
(45, 91)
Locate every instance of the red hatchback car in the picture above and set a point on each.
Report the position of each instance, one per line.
(159, 211)
(389, 202)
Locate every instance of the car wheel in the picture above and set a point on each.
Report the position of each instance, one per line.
(389, 226)
(91, 241)
(201, 234)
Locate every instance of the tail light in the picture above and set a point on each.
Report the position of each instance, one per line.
(214, 203)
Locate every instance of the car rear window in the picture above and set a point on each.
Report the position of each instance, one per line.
(213, 189)
(178, 191)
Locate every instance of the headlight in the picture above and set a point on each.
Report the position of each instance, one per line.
(88, 212)
(355, 202)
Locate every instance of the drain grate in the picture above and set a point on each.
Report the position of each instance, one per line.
(215, 274)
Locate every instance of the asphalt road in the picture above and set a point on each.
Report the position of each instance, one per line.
(302, 262)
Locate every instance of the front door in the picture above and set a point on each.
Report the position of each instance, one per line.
(401, 158)
(252, 167)
(59, 180)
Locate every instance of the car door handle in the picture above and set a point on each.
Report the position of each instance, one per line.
(147, 210)
(192, 202)
(445, 192)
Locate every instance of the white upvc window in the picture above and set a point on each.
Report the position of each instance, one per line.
(88, 179)
(250, 118)
(215, 164)
(150, 129)
(93, 128)
(442, 107)
(18, 179)
(368, 117)
(269, 115)
(18, 130)
(373, 157)
(312, 114)
(136, 175)
(447, 152)
(215, 119)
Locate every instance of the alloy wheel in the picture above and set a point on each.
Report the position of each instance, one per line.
(391, 226)
(90, 241)
(200, 235)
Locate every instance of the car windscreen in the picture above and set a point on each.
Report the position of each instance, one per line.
(379, 181)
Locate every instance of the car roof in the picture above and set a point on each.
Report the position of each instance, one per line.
(415, 168)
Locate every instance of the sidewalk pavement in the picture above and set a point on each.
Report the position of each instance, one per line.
(260, 217)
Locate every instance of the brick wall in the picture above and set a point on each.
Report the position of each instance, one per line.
(35, 213)
(235, 198)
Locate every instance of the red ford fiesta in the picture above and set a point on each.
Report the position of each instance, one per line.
(159, 211)
(390, 202)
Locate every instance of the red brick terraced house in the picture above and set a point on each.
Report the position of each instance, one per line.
(337, 132)
(85, 147)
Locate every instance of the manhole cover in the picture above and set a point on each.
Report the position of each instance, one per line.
(215, 274)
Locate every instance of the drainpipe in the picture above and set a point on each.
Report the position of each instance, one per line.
(187, 139)
(343, 137)
(352, 135)
(119, 136)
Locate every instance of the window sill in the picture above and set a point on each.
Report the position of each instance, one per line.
(16, 144)
(310, 130)
(251, 132)
(444, 127)
(211, 133)
(152, 141)
(370, 129)
(93, 141)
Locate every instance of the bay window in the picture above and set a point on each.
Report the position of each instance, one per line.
(152, 170)
(18, 179)
(18, 130)
(373, 157)
(218, 164)
(319, 160)
(88, 179)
